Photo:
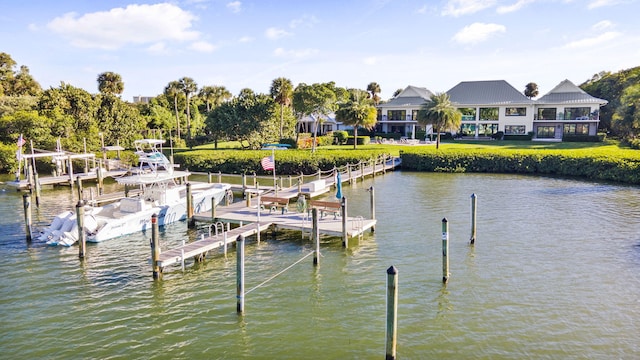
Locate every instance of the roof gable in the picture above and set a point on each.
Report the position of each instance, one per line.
(410, 96)
(567, 92)
(492, 92)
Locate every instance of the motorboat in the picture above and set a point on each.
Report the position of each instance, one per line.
(163, 191)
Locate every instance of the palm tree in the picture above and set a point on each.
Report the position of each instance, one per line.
(188, 87)
(214, 96)
(110, 83)
(374, 89)
(357, 111)
(282, 92)
(173, 90)
(441, 114)
(531, 90)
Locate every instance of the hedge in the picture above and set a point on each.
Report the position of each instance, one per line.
(288, 162)
(582, 164)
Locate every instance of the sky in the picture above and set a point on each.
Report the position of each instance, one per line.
(247, 44)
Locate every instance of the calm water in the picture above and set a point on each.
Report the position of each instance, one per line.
(555, 273)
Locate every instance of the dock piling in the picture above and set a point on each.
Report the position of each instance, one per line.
(316, 236)
(343, 211)
(190, 221)
(240, 275)
(372, 196)
(213, 209)
(26, 204)
(80, 189)
(38, 188)
(392, 313)
(155, 248)
(474, 203)
(445, 250)
(82, 244)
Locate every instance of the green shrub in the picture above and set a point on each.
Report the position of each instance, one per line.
(340, 136)
(289, 141)
(362, 140)
(325, 140)
(581, 138)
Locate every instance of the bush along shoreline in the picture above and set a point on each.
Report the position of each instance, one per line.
(584, 165)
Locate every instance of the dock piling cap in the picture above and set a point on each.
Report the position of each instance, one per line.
(392, 270)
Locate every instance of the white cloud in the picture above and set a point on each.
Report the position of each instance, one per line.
(158, 48)
(602, 25)
(478, 32)
(308, 20)
(464, 7)
(371, 60)
(273, 33)
(135, 24)
(203, 46)
(301, 53)
(245, 39)
(234, 6)
(601, 3)
(513, 7)
(593, 41)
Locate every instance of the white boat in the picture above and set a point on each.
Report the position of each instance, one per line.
(163, 192)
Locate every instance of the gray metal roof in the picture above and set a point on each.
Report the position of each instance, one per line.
(492, 92)
(568, 93)
(410, 96)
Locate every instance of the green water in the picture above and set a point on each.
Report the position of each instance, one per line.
(554, 273)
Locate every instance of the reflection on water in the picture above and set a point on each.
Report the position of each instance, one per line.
(554, 273)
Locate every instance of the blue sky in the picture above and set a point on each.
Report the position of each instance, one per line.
(243, 43)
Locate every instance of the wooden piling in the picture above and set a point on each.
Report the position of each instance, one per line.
(155, 248)
(349, 174)
(70, 170)
(244, 182)
(316, 236)
(213, 209)
(190, 221)
(209, 177)
(30, 177)
(343, 212)
(392, 313)
(445, 250)
(372, 197)
(80, 190)
(101, 179)
(240, 275)
(474, 203)
(80, 221)
(26, 204)
(219, 177)
(38, 189)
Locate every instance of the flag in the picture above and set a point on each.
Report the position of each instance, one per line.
(21, 141)
(339, 186)
(268, 163)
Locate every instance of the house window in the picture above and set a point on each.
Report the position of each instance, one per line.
(396, 115)
(414, 115)
(489, 114)
(379, 115)
(514, 129)
(468, 114)
(577, 113)
(515, 111)
(487, 129)
(576, 129)
(468, 129)
(548, 132)
(547, 113)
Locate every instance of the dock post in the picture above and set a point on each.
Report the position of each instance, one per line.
(316, 236)
(80, 190)
(299, 187)
(474, 203)
(190, 221)
(255, 180)
(244, 182)
(37, 185)
(343, 211)
(248, 197)
(258, 219)
(155, 248)
(100, 179)
(392, 313)
(126, 190)
(70, 171)
(349, 172)
(240, 274)
(319, 174)
(82, 244)
(372, 196)
(445, 250)
(213, 209)
(373, 162)
(219, 177)
(209, 177)
(361, 170)
(290, 183)
(26, 204)
(30, 178)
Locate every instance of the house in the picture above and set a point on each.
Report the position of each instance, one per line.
(324, 123)
(398, 115)
(491, 106)
(566, 110)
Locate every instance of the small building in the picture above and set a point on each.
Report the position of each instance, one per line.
(142, 99)
(399, 114)
(566, 110)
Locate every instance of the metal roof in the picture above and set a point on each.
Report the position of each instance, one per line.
(568, 93)
(411, 96)
(492, 92)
